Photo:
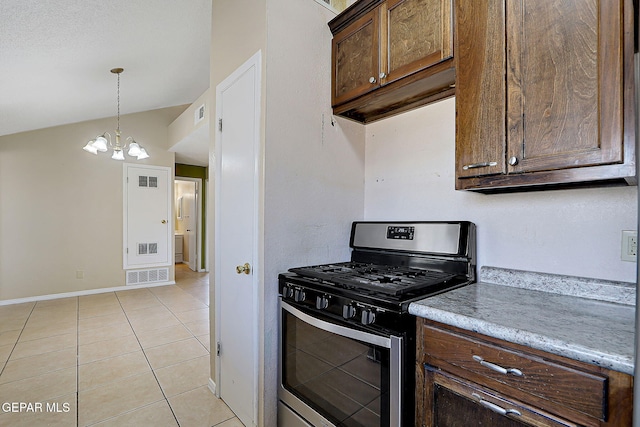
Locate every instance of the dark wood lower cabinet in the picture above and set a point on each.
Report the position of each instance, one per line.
(454, 410)
(465, 379)
(454, 402)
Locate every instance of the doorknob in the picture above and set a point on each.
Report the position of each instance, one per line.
(246, 268)
(164, 221)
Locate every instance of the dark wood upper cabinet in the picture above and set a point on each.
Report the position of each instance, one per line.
(356, 58)
(545, 93)
(418, 35)
(391, 56)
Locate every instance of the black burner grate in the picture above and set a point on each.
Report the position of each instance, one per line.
(382, 279)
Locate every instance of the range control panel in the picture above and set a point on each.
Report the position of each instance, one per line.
(447, 238)
(397, 232)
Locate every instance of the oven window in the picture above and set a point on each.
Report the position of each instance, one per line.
(345, 380)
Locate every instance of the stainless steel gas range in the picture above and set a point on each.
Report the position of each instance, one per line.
(347, 341)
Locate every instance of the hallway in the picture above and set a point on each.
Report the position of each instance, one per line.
(138, 357)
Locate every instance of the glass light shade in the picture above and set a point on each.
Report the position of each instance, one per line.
(90, 147)
(134, 149)
(143, 154)
(101, 144)
(118, 155)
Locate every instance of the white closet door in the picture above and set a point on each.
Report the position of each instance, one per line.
(147, 219)
(237, 206)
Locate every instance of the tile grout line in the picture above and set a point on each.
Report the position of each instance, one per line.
(78, 362)
(77, 299)
(17, 340)
(174, 314)
(234, 416)
(150, 367)
(175, 417)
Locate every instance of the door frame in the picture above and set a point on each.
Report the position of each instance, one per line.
(254, 62)
(199, 220)
(125, 216)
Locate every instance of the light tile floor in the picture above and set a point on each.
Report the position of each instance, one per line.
(138, 357)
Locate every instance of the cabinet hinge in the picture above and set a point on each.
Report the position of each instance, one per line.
(218, 348)
(220, 125)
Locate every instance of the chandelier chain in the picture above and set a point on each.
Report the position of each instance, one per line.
(118, 102)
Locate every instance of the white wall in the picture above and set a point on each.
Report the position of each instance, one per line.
(185, 124)
(410, 175)
(61, 208)
(313, 170)
(314, 164)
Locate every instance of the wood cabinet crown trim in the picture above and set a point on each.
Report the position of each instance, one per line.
(352, 13)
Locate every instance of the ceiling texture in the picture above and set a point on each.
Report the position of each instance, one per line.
(56, 57)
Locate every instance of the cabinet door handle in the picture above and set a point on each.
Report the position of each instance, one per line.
(495, 408)
(479, 165)
(372, 80)
(498, 368)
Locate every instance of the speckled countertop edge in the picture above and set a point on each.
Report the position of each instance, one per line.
(587, 330)
(583, 287)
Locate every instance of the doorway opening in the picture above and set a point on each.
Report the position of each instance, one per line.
(188, 223)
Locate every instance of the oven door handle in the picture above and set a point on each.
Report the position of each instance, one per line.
(338, 329)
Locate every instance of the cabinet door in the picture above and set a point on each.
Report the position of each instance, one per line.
(480, 88)
(418, 34)
(356, 58)
(454, 402)
(564, 90)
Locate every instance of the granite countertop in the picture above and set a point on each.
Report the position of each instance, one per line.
(583, 319)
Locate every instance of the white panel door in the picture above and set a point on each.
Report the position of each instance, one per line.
(237, 177)
(147, 219)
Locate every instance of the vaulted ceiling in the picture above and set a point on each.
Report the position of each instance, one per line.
(55, 57)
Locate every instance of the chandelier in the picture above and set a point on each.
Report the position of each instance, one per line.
(103, 142)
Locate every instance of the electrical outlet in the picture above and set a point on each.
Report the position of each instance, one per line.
(629, 245)
(79, 274)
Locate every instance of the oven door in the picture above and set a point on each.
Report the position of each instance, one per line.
(333, 375)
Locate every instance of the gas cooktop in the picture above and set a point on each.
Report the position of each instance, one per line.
(384, 279)
(392, 264)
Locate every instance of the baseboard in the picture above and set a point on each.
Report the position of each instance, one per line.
(212, 387)
(82, 293)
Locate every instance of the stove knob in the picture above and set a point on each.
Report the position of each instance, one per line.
(287, 292)
(368, 317)
(299, 295)
(348, 311)
(322, 302)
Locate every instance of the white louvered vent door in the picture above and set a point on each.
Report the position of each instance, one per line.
(148, 237)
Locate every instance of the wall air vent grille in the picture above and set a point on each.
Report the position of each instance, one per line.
(141, 277)
(148, 181)
(147, 248)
